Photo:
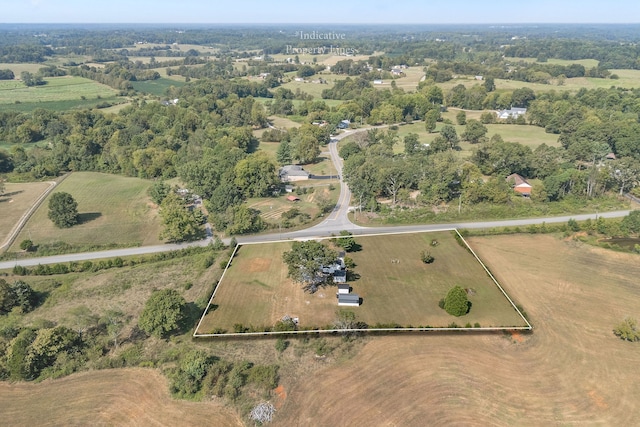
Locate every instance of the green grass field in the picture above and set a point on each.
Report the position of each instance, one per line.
(256, 291)
(113, 210)
(56, 89)
(156, 87)
(531, 136)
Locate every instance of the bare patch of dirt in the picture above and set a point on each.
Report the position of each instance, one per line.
(259, 265)
(281, 396)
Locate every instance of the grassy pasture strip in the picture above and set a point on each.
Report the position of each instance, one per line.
(529, 327)
(113, 210)
(63, 105)
(13, 233)
(257, 293)
(156, 87)
(57, 89)
(18, 68)
(16, 206)
(206, 310)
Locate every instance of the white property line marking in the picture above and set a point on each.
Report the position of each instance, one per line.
(416, 329)
(206, 310)
(494, 280)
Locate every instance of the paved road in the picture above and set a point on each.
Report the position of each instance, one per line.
(336, 221)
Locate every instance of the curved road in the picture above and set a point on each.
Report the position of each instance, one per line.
(336, 221)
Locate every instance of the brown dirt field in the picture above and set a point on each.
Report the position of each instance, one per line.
(571, 370)
(119, 397)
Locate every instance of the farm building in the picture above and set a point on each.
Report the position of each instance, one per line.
(291, 173)
(513, 113)
(520, 185)
(343, 288)
(349, 299)
(293, 198)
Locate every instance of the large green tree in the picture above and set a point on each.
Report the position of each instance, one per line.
(474, 131)
(305, 261)
(256, 175)
(163, 313)
(180, 223)
(456, 302)
(63, 210)
(158, 191)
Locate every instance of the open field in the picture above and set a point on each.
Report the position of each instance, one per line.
(123, 397)
(57, 89)
(570, 371)
(15, 202)
(156, 87)
(256, 291)
(531, 136)
(113, 210)
(587, 63)
(18, 68)
(629, 79)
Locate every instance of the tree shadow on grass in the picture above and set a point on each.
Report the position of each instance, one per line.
(86, 217)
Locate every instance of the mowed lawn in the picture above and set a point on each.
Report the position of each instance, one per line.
(395, 285)
(113, 210)
(57, 89)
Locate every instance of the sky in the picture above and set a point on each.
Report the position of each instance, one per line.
(324, 11)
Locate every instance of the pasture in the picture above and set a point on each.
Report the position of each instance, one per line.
(157, 87)
(125, 397)
(113, 210)
(531, 136)
(628, 79)
(59, 93)
(571, 370)
(56, 89)
(15, 202)
(395, 285)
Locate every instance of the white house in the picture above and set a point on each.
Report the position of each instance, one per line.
(290, 173)
(513, 112)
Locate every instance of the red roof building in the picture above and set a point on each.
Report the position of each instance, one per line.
(520, 185)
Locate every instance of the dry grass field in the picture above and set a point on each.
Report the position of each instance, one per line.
(570, 371)
(123, 397)
(396, 287)
(15, 202)
(113, 210)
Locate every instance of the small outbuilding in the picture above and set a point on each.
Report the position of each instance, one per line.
(293, 198)
(343, 288)
(352, 300)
